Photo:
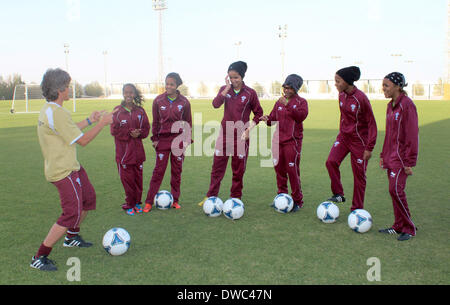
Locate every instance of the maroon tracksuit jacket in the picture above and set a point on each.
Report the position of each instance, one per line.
(400, 150)
(130, 153)
(171, 127)
(357, 133)
(237, 109)
(287, 144)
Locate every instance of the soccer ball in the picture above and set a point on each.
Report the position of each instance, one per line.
(233, 208)
(283, 203)
(163, 200)
(116, 241)
(360, 221)
(213, 206)
(328, 212)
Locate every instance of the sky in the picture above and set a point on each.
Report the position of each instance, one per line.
(199, 38)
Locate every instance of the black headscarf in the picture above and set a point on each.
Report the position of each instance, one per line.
(397, 78)
(294, 81)
(349, 74)
(240, 67)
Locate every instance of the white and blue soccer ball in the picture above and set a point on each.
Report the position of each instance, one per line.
(233, 208)
(283, 203)
(327, 212)
(213, 206)
(163, 200)
(116, 241)
(360, 221)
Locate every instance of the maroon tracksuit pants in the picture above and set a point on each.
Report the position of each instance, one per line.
(131, 178)
(288, 167)
(176, 167)
(338, 152)
(238, 165)
(397, 184)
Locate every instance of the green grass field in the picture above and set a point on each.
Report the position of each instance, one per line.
(264, 247)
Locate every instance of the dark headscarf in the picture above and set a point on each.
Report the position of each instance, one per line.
(349, 74)
(240, 67)
(397, 78)
(176, 77)
(294, 81)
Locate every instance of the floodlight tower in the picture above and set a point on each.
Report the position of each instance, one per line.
(66, 51)
(160, 6)
(282, 34)
(237, 44)
(104, 66)
(448, 42)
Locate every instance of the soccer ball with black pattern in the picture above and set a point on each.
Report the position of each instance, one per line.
(360, 220)
(327, 212)
(163, 200)
(116, 241)
(213, 206)
(233, 208)
(283, 203)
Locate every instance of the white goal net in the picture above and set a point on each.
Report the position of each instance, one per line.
(28, 98)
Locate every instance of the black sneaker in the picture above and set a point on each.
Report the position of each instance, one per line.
(296, 208)
(43, 263)
(337, 198)
(76, 241)
(390, 231)
(404, 236)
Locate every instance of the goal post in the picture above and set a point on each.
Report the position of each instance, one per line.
(28, 98)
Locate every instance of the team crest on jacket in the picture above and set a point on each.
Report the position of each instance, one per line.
(161, 156)
(123, 122)
(180, 107)
(243, 98)
(397, 114)
(163, 107)
(393, 174)
(353, 107)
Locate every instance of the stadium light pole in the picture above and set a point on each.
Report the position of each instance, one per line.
(396, 57)
(160, 6)
(282, 34)
(66, 51)
(237, 44)
(105, 53)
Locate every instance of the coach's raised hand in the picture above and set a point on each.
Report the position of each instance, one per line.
(105, 119)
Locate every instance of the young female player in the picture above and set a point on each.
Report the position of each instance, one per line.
(130, 125)
(400, 150)
(357, 136)
(171, 128)
(289, 112)
(239, 101)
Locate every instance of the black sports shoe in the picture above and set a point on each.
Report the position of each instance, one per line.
(43, 263)
(390, 231)
(76, 241)
(404, 236)
(296, 208)
(337, 198)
